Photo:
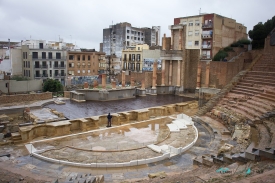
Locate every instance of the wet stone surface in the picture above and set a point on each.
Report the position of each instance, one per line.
(73, 110)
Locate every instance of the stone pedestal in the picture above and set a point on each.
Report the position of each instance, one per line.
(86, 85)
(132, 82)
(154, 91)
(199, 76)
(113, 85)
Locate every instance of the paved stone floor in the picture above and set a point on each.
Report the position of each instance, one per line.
(178, 163)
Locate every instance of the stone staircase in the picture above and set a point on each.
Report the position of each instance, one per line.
(83, 178)
(16, 138)
(248, 99)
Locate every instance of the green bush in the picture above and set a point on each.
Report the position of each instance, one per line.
(228, 48)
(220, 55)
(241, 43)
(19, 78)
(52, 85)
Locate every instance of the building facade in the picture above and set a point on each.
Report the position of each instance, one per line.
(42, 60)
(121, 36)
(85, 63)
(210, 32)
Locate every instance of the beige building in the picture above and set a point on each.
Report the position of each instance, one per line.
(210, 32)
(85, 63)
(132, 58)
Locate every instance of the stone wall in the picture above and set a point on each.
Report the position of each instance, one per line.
(192, 58)
(25, 97)
(222, 72)
(270, 43)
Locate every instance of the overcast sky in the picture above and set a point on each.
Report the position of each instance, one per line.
(82, 21)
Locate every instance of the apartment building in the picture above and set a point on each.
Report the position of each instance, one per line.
(42, 60)
(140, 58)
(210, 32)
(121, 36)
(85, 63)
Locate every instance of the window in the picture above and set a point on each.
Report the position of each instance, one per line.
(190, 33)
(197, 33)
(83, 71)
(138, 57)
(189, 43)
(58, 55)
(133, 57)
(141, 39)
(197, 22)
(128, 31)
(190, 23)
(71, 57)
(50, 55)
(128, 37)
(44, 55)
(41, 45)
(71, 65)
(142, 33)
(78, 57)
(197, 43)
(89, 71)
(34, 54)
(89, 57)
(83, 57)
(184, 22)
(138, 67)
(78, 71)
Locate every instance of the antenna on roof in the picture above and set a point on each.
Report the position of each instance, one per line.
(199, 11)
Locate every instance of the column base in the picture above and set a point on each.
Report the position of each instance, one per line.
(154, 91)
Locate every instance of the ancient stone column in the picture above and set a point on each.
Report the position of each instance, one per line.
(123, 79)
(180, 39)
(163, 73)
(95, 84)
(171, 39)
(154, 80)
(183, 72)
(132, 82)
(143, 84)
(164, 42)
(86, 85)
(178, 74)
(113, 85)
(170, 73)
(199, 76)
(103, 81)
(207, 75)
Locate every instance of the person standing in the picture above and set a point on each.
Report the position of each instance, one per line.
(109, 117)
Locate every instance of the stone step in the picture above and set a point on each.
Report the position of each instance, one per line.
(259, 104)
(260, 73)
(252, 91)
(264, 101)
(243, 113)
(242, 92)
(259, 78)
(272, 92)
(249, 110)
(250, 88)
(16, 136)
(267, 97)
(254, 107)
(253, 83)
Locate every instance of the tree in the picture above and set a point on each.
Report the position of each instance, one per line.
(260, 32)
(52, 85)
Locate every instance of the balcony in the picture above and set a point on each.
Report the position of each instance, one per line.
(59, 75)
(40, 66)
(59, 66)
(40, 75)
(206, 46)
(47, 58)
(205, 57)
(205, 26)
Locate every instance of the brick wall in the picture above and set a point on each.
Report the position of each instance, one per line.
(25, 97)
